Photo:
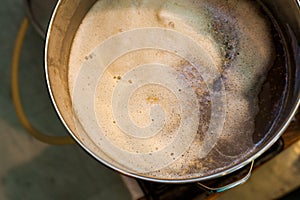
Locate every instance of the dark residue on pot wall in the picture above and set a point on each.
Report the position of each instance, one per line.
(273, 92)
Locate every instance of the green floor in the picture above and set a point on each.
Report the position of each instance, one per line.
(31, 170)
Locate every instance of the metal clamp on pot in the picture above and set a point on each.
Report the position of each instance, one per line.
(228, 186)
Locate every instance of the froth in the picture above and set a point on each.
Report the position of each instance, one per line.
(168, 88)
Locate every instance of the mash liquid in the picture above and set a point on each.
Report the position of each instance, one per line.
(169, 88)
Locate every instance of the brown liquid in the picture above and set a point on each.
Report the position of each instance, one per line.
(235, 39)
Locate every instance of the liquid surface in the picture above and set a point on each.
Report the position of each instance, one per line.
(169, 89)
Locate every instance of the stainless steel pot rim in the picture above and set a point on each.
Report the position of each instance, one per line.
(174, 181)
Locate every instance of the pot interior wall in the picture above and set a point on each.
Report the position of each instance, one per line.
(284, 77)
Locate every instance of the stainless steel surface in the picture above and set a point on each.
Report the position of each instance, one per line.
(65, 21)
(229, 186)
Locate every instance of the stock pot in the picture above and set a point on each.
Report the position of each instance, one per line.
(271, 121)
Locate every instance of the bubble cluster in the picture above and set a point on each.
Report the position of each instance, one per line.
(136, 144)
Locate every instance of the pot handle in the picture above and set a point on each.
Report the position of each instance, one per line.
(229, 186)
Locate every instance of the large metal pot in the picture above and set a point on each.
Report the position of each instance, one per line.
(68, 16)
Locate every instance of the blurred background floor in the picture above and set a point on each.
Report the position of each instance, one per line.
(29, 169)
